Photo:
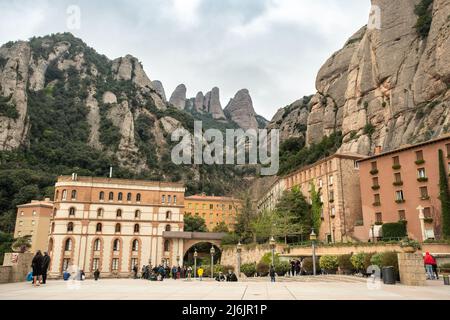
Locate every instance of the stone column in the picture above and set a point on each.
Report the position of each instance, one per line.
(411, 269)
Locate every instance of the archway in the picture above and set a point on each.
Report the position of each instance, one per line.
(203, 253)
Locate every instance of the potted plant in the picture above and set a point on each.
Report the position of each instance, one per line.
(409, 246)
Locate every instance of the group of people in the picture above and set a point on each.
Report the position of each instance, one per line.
(296, 267)
(431, 266)
(39, 265)
(161, 272)
(230, 277)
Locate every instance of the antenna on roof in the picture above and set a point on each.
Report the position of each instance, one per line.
(110, 172)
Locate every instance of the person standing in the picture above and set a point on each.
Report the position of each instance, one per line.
(96, 274)
(189, 272)
(429, 262)
(45, 264)
(435, 268)
(200, 273)
(174, 273)
(272, 273)
(135, 271)
(36, 264)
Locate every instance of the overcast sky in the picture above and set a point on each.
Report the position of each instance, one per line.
(274, 48)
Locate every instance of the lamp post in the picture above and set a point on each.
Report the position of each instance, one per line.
(195, 263)
(178, 260)
(239, 250)
(272, 243)
(212, 251)
(313, 238)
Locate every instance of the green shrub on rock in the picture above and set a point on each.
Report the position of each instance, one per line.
(262, 269)
(329, 263)
(282, 268)
(249, 269)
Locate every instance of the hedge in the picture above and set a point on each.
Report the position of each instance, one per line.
(308, 265)
(249, 269)
(262, 269)
(282, 268)
(329, 263)
(345, 264)
(394, 230)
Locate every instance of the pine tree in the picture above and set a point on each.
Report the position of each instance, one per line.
(444, 196)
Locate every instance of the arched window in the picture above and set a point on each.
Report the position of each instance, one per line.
(50, 245)
(70, 227)
(111, 196)
(74, 195)
(119, 213)
(174, 199)
(166, 246)
(129, 196)
(116, 245)
(163, 199)
(168, 227)
(98, 228)
(136, 228)
(68, 245)
(137, 214)
(168, 215)
(101, 195)
(120, 196)
(53, 227)
(97, 245)
(138, 197)
(99, 212)
(135, 245)
(57, 195)
(118, 227)
(72, 211)
(64, 195)
(169, 199)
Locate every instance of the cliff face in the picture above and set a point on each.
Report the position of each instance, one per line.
(386, 87)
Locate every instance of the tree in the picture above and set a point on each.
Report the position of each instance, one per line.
(316, 208)
(6, 240)
(221, 228)
(194, 224)
(22, 244)
(444, 196)
(263, 226)
(244, 219)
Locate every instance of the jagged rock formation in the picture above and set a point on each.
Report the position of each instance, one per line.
(199, 103)
(240, 110)
(386, 87)
(159, 88)
(212, 104)
(178, 98)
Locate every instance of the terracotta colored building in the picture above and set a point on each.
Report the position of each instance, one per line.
(336, 178)
(114, 224)
(33, 219)
(404, 185)
(213, 210)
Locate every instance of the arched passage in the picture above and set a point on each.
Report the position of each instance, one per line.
(203, 252)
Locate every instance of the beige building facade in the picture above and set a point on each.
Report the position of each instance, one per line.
(114, 224)
(33, 220)
(270, 198)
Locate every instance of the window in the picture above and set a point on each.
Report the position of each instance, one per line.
(53, 227)
(374, 165)
(398, 178)
(111, 196)
(21, 213)
(57, 195)
(99, 212)
(95, 264)
(64, 194)
(375, 182)
(356, 164)
(166, 246)
(98, 228)
(118, 227)
(169, 199)
(74, 194)
(138, 197)
(211, 207)
(396, 161)
(120, 196)
(116, 245)
(119, 213)
(168, 228)
(331, 196)
(34, 213)
(320, 183)
(101, 196)
(331, 180)
(333, 212)
(128, 196)
(137, 214)
(68, 245)
(448, 150)
(66, 262)
(33, 222)
(424, 193)
(401, 215)
(427, 212)
(163, 199)
(135, 245)
(20, 223)
(419, 155)
(399, 195)
(72, 211)
(70, 227)
(421, 173)
(115, 264)
(134, 262)
(168, 215)
(174, 199)
(377, 199)
(97, 245)
(136, 228)
(379, 217)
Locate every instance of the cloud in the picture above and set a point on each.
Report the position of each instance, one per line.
(272, 47)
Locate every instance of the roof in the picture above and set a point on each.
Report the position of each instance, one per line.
(37, 203)
(146, 183)
(407, 147)
(209, 198)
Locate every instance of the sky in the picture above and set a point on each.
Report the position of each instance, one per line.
(274, 48)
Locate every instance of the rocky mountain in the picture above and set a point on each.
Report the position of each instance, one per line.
(387, 86)
(240, 110)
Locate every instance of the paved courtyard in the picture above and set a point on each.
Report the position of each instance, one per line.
(323, 288)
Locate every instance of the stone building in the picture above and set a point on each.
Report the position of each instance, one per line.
(213, 210)
(336, 178)
(403, 185)
(270, 198)
(114, 224)
(33, 219)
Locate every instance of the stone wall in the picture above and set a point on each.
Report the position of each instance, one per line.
(16, 266)
(411, 269)
(5, 274)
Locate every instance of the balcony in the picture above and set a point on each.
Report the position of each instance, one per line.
(376, 204)
(422, 179)
(428, 220)
(420, 162)
(400, 201)
(397, 183)
(374, 172)
(396, 167)
(425, 198)
(377, 187)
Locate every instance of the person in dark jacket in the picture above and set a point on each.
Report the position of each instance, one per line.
(36, 264)
(45, 265)
(272, 273)
(96, 274)
(135, 271)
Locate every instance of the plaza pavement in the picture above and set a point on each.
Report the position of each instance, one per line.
(303, 288)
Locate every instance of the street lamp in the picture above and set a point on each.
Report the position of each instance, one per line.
(195, 263)
(178, 260)
(212, 251)
(272, 244)
(239, 250)
(313, 238)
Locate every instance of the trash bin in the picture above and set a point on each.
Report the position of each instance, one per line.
(446, 280)
(388, 275)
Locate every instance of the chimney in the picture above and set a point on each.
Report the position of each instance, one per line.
(378, 150)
